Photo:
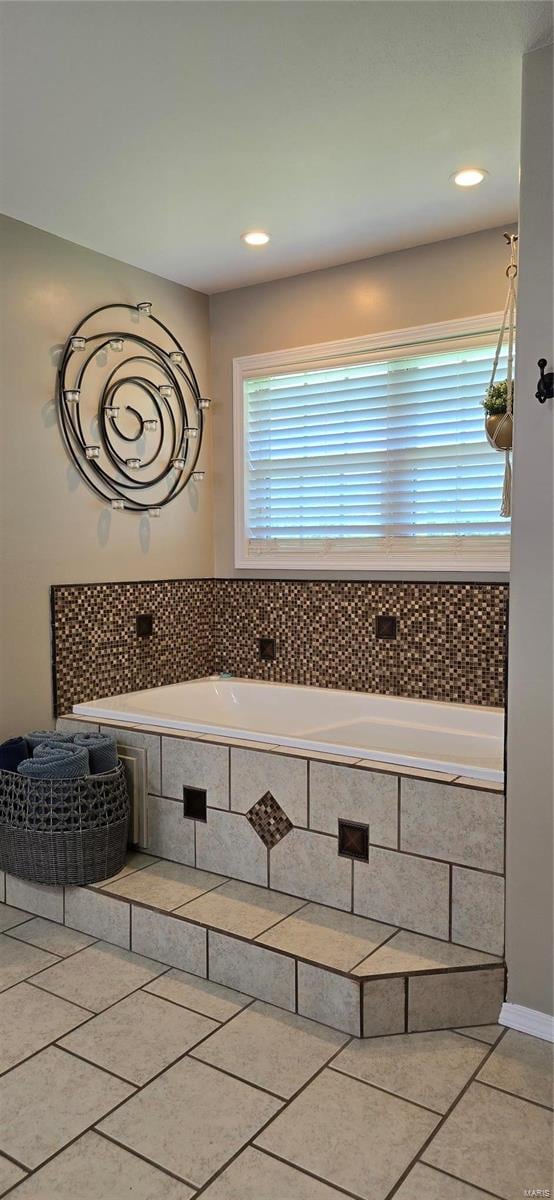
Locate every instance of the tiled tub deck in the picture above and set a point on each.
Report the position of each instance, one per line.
(257, 896)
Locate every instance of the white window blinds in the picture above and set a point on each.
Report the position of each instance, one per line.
(382, 462)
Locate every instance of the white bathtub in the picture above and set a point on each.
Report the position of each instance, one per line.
(460, 739)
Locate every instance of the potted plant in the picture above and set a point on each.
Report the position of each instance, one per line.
(498, 421)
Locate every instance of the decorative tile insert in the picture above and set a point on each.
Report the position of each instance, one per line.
(354, 840)
(449, 646)
(268, 819)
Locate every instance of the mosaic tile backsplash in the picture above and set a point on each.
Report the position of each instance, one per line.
(450, 642)
(97, 652)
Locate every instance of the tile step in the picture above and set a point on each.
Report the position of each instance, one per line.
(354, 974)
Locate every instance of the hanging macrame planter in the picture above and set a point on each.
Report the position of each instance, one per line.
(499, 400)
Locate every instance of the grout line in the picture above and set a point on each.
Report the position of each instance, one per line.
(122, 1145)
(89, 1061)
(334, 1186)
(449, 862)
(387, 1092)
(375, 949)
(458, 1178)
(231, 1074)
(417, 1157)
(399, 822)
(450, 902)
(516, 1095)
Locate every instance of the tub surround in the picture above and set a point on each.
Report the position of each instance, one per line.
(449, 645)
(435, 845)
(359, 976)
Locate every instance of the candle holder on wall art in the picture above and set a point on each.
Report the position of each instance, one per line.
(130, 409)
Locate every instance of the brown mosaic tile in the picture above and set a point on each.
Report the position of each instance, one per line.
(269, 821)
(450, 642)
(96, 648)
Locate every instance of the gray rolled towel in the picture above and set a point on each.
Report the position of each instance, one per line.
(41, 736)
(102, 751)
(63, 761)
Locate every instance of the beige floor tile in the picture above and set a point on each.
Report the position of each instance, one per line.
(454, 998)
(9, 1174)
(429, 1068)
(200, 995)
(332, 999)
(30, 1019)
(241, 908)
(162, 936)
(482, 1033)
(327, 937)
(139, 1036)
(98, 914)
(349, 1134)
(99, 976)
(10, 917)
(191, 1120)
(39, 898)
(48, 935)
(425, 1183)
(273, 1049)
(18, 961)
(166, 885)
(265, 974)
(497, 1142)
(50, 1099)
(523, 1065)
(94, 1169)
(136, 861)
(415, 952)
(256, 1176)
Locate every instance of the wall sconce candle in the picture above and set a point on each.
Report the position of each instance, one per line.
(151, 387)
(198, 476)
(204, 402)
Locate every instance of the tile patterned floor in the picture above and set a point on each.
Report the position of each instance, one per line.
(123, 1077)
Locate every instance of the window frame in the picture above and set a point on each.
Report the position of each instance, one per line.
(390, 343)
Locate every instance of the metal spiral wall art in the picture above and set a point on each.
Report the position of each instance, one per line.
(130, 409)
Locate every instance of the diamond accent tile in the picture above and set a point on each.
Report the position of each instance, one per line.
(269, 820)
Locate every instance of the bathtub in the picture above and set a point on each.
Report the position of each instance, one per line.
(459, 739)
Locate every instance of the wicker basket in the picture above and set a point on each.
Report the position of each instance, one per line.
(63, 831)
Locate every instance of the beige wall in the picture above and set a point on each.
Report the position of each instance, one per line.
(440, 282)
(54, 530)
(531, 646)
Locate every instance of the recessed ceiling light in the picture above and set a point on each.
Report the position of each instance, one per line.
(255, 237)
(469, 177)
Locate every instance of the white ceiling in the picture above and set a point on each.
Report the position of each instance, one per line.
(157, 132)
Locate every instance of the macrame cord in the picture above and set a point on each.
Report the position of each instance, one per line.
(508, 325)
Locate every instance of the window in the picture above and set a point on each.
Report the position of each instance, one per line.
(371, 454)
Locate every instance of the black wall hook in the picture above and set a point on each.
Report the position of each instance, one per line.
(545, 385)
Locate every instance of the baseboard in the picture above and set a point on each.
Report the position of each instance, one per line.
(527, 1020)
